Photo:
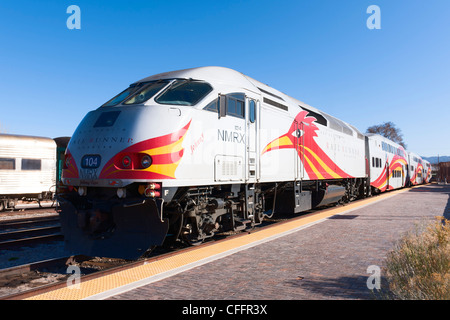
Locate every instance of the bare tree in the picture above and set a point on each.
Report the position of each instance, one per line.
(388, 130)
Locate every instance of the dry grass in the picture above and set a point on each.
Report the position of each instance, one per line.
(418, 268)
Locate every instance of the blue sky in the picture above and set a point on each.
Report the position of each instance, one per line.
(320, 52)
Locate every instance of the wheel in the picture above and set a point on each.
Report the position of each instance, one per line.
(190, 235)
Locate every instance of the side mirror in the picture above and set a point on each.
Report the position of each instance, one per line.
(222, 105)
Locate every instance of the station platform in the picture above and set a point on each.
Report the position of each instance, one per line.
(325, 255)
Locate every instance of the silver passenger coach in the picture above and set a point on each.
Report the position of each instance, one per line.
(27, 168)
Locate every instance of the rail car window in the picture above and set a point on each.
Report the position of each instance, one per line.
(7, 164)
(184, 92)
(146, 92)
(31, 164)
(376, 162)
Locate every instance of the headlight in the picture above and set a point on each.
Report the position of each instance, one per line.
(126, 161)
(121, 192)
(146, 161)
(82, 191)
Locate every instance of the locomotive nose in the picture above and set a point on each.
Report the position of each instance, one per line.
(125, 143)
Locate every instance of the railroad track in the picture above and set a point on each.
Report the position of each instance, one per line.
(22, 281)
(98, 267)
(21, 232)
(104, 266)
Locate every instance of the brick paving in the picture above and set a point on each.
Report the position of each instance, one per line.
(328, 260)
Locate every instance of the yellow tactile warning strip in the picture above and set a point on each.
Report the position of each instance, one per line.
(122, 281)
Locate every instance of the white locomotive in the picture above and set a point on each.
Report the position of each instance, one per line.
(185, 154)
(27, 169)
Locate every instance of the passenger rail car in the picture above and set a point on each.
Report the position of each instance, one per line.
(416, 170)
(426, 171)
(27, 169)
(388, 163)
(183, 155)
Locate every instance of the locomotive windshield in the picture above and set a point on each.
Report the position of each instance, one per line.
(137, 93)
(122, 96)
(184, 92)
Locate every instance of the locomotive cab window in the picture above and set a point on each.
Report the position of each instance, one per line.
(233, 104)
(184, 92)
(146, 92)
(123, 95)
(212, 106)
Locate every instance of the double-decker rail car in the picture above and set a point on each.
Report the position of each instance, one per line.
(416, 169)
(27, 169)
(427, 171)
(388, 163)
(182, 155)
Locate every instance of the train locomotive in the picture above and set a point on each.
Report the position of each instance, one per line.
(183, 155)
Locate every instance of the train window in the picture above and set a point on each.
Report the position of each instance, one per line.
(184, 92)
(123, 95)
(7, 164)
(231, 106)
(373, 162)
(239, 107)
(146, 92)
(252, 110)
(212, 106)
(235, 105)
(31, 164)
